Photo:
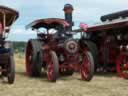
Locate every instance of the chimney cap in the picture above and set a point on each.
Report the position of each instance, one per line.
(68, 6)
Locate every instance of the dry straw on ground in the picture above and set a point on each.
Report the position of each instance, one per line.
(105, 85)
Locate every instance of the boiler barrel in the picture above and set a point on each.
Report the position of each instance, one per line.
(113, 16)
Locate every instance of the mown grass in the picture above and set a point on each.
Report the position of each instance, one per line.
(101, 85)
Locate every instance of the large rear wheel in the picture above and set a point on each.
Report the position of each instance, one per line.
(33, 66)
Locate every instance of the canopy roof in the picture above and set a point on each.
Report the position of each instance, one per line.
(119, 24)
(11, 15)
(47, 23)
(114, 25)
(116, 15)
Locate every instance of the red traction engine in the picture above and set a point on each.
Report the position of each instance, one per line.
(108, 43)
(7, 67)
(56, 51)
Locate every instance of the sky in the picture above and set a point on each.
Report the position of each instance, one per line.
(87, 11)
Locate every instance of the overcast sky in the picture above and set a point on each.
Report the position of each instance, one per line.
(88, 11)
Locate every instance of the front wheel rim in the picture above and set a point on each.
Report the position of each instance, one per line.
(122, 66)
(85, 68)
(29, 59)
(50, 70)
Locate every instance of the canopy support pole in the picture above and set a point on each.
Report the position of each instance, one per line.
(4, 23)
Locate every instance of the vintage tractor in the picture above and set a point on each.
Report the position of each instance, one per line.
(56, 51)
(109, 43)
(7, 67)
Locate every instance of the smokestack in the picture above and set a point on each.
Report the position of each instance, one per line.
(68, 9)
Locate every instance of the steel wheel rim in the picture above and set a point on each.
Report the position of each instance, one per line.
(122, 66)
(11, 70)
(50, 70)
(85, 67)
(29, 51)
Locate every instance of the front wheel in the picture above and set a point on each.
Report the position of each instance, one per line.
(87, 66)
(122, 65)
(52, 67)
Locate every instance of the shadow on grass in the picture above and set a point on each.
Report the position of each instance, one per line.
(21, 73)
(25, 75)
(43, 76)
(106, 74)
(4, 81)
(109, 75)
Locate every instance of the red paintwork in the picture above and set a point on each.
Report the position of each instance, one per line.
(53, 45)
(85, 66)
(50, 69)
(122, 65)
(109, 51)
(71, 60)
(67, 50)
(28, 59)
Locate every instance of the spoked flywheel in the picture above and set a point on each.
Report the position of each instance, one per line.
(122, 65)
(87, 66)
(52, 67)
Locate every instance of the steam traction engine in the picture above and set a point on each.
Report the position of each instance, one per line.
(108, 43)
(7, 67)
(56, 51)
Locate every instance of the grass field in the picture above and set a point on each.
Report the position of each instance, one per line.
(101, 85)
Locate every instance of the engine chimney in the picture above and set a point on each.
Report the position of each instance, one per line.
(68, 8)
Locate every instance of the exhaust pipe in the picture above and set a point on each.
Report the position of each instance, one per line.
(68, 9)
